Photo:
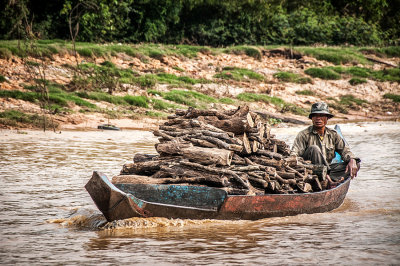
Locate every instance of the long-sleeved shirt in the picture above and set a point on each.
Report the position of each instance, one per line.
(330, 143)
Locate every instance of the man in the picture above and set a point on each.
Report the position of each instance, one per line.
(318, 144)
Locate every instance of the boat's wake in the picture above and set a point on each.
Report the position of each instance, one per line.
(91, 219)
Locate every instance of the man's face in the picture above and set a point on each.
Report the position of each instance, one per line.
(319, 120)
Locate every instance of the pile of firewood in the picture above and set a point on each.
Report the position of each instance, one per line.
(232, 150)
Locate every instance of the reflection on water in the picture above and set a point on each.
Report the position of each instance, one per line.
(48, 218)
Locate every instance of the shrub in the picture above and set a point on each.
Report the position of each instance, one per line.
(393, 97)
(2, 79)
(156, 114)
(391, 74)
(226, 101)
(306, 92)
(162, 105)
(5, 53)
(322, 73)
(239, 74)
(349, 99)
(189, 98)
(85, 52)
(140, 101)
(356, 81)
(292, 77)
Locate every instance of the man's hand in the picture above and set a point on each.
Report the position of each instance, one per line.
(352, 168)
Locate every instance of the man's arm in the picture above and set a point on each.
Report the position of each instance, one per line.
(299, 145)
(344, 150)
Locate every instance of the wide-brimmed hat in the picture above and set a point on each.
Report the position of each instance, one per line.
(320, 108)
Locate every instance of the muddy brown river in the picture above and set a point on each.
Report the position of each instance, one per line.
(48, 218)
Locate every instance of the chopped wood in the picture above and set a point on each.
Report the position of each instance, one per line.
(141, 157)
(208, 156)
(233, 150)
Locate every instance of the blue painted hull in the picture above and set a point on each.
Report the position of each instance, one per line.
(123, 201)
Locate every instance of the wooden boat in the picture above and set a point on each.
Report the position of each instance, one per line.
(108, 127)
(126, 200)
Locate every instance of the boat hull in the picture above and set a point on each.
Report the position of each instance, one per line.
(193, 202)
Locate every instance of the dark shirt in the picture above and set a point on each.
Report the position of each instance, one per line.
(330, 143)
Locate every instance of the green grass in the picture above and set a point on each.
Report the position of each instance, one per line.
(5, 53)
(178, 69)
(247, 50)
(239, 74)
(226, 101)
(284, 106)
(185, 97)
(322, 73)
(56, 96)
(140, 101)
(345, 103)
(390, 74)
(335, 55)
(101, 96)
(292, 77)
(254, 97)
(350, 99)
(156, 114)
(356, 81)
(306, 92)
(163, 105)
(393, 97)
(390, 51)
(178, 80)
(16, 118)
(359, 72)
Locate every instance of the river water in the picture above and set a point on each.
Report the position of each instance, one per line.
(47, 217)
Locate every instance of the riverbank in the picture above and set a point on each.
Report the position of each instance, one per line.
(138, 86)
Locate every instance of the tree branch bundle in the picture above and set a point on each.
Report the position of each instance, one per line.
(233, 150)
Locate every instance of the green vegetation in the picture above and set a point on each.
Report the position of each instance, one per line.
(306, 92)
(5, 53)
(346, 102)
(356, 81)
(226, 101)
(189, 98)
(394, 97)
(214, 23)
(253, 97)
(337, 56)
(156, 114)
(390, 74)
(178, 69)
(2, 79)
(247, 50)
(350, 100)
(140, 101)
(16, 118)
(292, 77)
(163, 105)
(178, 80)
(185, 97)
(58, 98)
(239, 74)
(322, 73)
(390, 51)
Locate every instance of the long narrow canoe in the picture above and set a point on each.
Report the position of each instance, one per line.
(121, 201)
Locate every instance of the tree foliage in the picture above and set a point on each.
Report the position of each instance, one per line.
(209, 22)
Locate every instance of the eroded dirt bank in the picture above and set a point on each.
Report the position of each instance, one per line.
(205, 66)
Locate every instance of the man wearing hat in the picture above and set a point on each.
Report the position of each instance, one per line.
(318, 144)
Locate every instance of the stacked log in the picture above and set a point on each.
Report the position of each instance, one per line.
(233, 150)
